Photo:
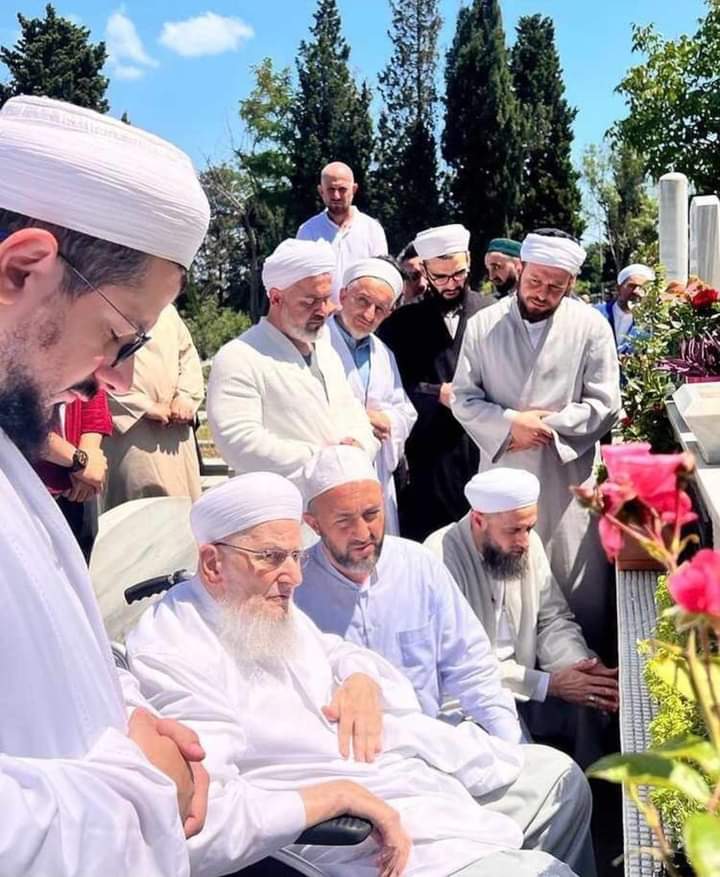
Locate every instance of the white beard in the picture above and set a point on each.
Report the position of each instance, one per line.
(254, 638)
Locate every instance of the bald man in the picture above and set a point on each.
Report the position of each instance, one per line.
(353, 235)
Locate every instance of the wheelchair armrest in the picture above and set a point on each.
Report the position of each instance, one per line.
(156, 585)
(343, 831)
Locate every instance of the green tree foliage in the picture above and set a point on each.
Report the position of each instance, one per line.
(405, 190)
(481, 141)
(55, 58)
(621, 204)
(210, 323)
(331, 115)
(673, 102)
(550, 193)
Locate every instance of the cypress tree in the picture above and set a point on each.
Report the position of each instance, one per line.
(481, 140)
(54, 57)
(550, 195)
(331, 115)
(405, 184)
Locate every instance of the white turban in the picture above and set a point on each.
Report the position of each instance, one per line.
(243, 502)
(442, 241)
(637, 270)
(294, 260)
(502, 490)
(93, 174)
(555, 252)
(379, 269)
(336, 465)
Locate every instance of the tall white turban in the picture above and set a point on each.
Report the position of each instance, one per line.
(87, 172)
(502, 490)
(294, 260)
(379, 269)
(335, 465)
(243, 502)
(637, 270)
(555, 252)
(444, 240)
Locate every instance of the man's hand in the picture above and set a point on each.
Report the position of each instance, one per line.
(176, 751)
(588, 683)
(94, 474)
(78, 490)
(356, 708)
(349, 440)
(327, 800)
(181, 412)
(528, 431)
(380, 423)
(446, 395)
(160, 412)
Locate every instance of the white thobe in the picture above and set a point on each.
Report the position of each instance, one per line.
(268, 409)
(361, 237)
(543, 635)
(384, 392)
(265, 736)
(573, 372)
(79, 798)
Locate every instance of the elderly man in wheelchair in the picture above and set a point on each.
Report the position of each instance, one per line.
(290, 719)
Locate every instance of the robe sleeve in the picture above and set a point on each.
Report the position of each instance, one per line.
(109, 812)
(244, 823)
(190, 386)
(129, 408)
(579, 425)
(484, 421)
(402, 415)
(235, 415)
(467, 666)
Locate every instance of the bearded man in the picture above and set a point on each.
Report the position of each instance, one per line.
(279, 393)
(619, 311)
(99, 223)
(494, 554)
(537, 385)
(502, 263)
(229, 652)
(426, 341)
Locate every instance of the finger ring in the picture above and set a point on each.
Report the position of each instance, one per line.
(591, 698)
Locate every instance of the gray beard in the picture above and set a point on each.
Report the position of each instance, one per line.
(254, 639)
(503, 565)
(365, 565)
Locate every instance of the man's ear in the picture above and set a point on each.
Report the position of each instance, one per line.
(355, 188)
(209, 564)
(24, 253)
(343, 295)
(312, 522)
(275, 296)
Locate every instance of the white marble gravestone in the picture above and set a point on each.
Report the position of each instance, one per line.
(673, 226)
(705, 238)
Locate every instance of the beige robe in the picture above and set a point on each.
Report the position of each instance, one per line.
(146, 458)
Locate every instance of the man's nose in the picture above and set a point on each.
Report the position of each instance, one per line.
(116, 379)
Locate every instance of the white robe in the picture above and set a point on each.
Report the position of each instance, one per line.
(79, 798)
(573, 372)
(265, 736)
(384, 393)
(268, 411)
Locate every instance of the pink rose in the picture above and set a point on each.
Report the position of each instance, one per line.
(695, 587)
(611, 537)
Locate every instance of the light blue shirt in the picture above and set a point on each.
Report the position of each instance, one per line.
(359, 350)
(412, 613)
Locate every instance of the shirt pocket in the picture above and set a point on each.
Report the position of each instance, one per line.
(417, 648)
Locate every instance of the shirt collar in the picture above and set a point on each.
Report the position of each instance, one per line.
(352, 343)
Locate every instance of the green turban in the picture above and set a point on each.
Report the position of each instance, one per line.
(505, 246)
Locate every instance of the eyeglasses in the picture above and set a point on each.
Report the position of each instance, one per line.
(273, 558)
(130, 348)
(444, 279)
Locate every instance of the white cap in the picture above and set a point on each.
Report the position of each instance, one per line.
(293, 260)
(96, 175)
(502, 490)
(243, 502)
(336, 465)
(561, 253)
(379, 269)
(637, 270)
(444, 240)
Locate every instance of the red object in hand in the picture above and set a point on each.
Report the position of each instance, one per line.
(695, 587)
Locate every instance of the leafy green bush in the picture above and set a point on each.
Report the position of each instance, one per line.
(212, 325)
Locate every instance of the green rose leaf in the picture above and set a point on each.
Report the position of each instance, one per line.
(701, 836)
(651, 769)
(696, 749)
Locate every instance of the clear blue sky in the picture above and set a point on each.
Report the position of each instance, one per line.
(192, 98)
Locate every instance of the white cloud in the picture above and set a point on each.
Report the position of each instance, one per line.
(127, 55)
(207, 34)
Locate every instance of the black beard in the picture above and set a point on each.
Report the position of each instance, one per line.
(24, 418)
(506, 286)
(447, 305)
(503, 564)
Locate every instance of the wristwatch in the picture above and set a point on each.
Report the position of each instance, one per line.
(79, 460)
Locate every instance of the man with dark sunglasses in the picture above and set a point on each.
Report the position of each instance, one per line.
(99, 222)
